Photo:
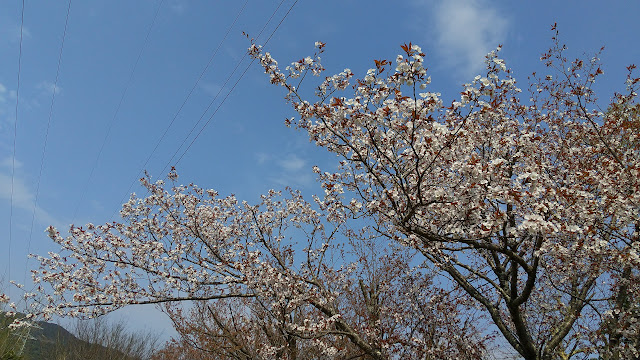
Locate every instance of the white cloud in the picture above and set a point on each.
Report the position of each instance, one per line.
(11, 32)
(6, 109)
(293, 172)
(8, 162)
(23, 198)
(292, 163)
(465, 31)
(178, 6)
(262, 158)
(4, 94)
(49, 88)
(289, 170)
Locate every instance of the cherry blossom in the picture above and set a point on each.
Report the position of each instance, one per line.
(511, 210)
(527, 200)
(290, 271)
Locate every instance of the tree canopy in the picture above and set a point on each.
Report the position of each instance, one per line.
(505, 213)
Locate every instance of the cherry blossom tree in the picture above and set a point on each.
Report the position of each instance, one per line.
(527, 200)
(393, 307)
(523, 205)
(283, 279)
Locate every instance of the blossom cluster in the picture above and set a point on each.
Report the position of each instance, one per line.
(520, 211)
(518, 201)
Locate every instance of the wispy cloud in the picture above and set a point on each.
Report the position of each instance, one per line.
(8, 163)
(34, 99)
(10, 31)
(178, 6)
(292, 163)
(3, 92)
(5, 96)
(6, 109)
(49, 88)
(465, 31)
(23, 196)
(262, 158)
(289, 170)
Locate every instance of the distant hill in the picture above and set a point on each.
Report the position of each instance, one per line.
(44, 340)
(49, 341)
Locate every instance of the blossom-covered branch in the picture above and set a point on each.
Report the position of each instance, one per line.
(277, 273)
(527, 201)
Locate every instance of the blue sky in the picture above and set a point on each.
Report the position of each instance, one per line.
(102, 102)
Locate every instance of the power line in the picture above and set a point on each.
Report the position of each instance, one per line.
(219, 91)
(124, 92)
(234, 85)
(229, 92)
(46, 137)
(175, 116)
(15, 135)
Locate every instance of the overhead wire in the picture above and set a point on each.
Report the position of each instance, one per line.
(195, 126)
(115, 115)
(175, 116)
(46, 137)
(234, 86)
(229, 92)
(15, 135)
